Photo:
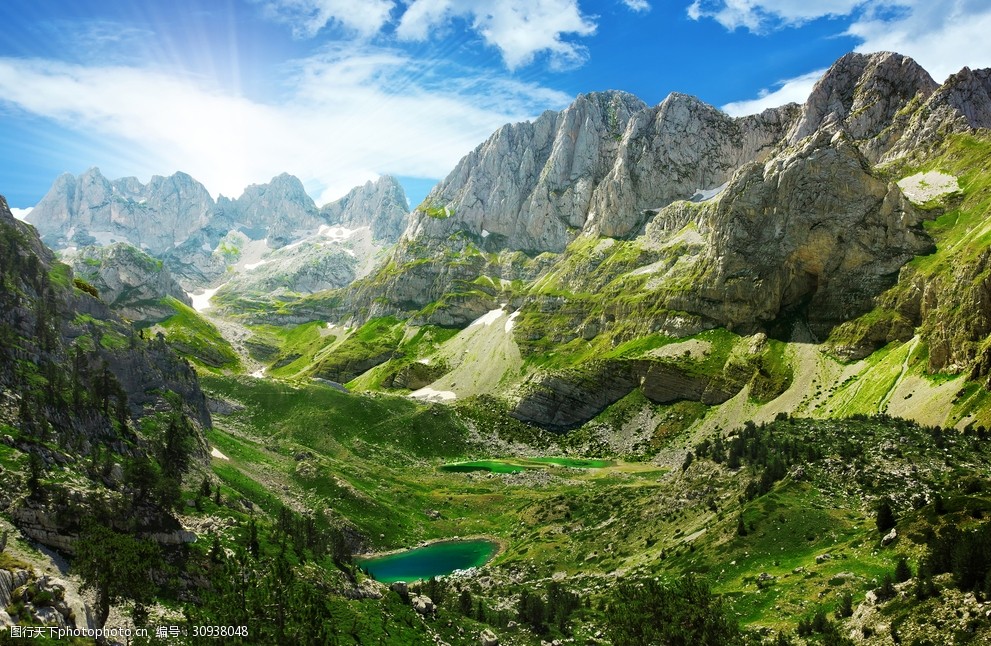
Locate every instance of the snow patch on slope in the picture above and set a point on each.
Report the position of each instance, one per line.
(201, 300)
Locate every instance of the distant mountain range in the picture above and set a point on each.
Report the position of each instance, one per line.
(174, 220)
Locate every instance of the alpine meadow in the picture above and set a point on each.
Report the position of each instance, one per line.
(629, 374)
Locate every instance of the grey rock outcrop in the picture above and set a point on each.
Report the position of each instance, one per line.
(380, 205)
(869, 96)
(598, 166)
(423, 605)
(131, 282)
(10, 580)
(43, 600)
(88, 209)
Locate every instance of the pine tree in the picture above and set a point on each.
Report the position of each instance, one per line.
(682, 612)
(253, 546)
(885, 516)
(465, 603)
(116, 566)
(902, 571)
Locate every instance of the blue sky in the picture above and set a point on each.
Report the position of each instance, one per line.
(338, 92)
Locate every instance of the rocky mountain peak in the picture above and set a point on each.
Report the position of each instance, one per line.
(92, 209)
(960, 104)
(280, 208)
(380, 205)
(969, 93)
(863, 94)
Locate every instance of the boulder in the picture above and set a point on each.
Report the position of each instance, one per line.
(423, 605)
(488, 638)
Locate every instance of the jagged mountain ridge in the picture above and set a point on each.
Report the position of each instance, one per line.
(813, 238)
(536, 187)
(175, 219)
(596, 166)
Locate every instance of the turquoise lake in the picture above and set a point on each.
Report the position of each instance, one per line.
(437, 559)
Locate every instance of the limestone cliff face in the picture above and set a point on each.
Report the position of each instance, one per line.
(88, 209)
(530, 186)
(812, 229)
(131, 282)
(600, 165)
(672, 151)
(380, 205)
(868, 96)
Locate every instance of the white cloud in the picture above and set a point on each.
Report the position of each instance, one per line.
(308, 17)
(354, 113)
(795, 90)
(520, 29)
(637, 5)
(20, 214)
(763, 15)
(941, 35)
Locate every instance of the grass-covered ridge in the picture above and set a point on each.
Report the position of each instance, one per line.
(779, 519)
(952, 327)
(197, 339)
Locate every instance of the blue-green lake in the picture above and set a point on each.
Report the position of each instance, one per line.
(436, 559)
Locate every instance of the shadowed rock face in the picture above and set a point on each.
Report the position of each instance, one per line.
(567, 399)
(31, 303)
(811, 229)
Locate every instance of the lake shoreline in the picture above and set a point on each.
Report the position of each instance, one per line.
(502, 544)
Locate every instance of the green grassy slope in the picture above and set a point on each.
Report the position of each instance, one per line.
(809, 535)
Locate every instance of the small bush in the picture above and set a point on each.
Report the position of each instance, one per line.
(83, 286)
(887, 590)
(846, 606)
